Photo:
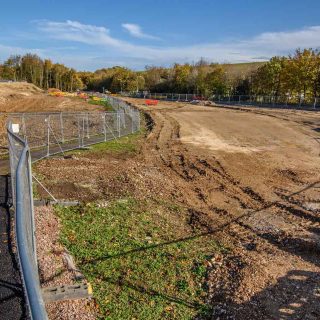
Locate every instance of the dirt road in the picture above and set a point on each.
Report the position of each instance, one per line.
(252, 177)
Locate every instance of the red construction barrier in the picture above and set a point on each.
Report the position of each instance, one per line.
(151, 102)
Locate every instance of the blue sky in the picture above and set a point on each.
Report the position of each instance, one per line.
(88, 35)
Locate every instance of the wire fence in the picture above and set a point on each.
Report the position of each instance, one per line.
(24, 223)
(52, 133)
(287, 101)
(48, 133)
(303, 102)
(40, 135)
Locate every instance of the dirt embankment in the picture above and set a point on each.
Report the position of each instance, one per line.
(26, 97)
(19, 97)
(248, 177)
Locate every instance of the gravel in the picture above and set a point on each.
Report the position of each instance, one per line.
(54, 272)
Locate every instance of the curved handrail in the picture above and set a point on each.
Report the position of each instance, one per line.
(26, 253)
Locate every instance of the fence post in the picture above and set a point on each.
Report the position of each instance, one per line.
(83, 131)
(132, 124)
(79, 138)
(119, 124)
(315, 103)
(88, 133)
(24, 125)
(239, 99)
(61, 126)
(48, 136)
(34, 243)
(105, 126)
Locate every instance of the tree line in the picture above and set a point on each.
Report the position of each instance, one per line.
(43, 73)
(293, 75)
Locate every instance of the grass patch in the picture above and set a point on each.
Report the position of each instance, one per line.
(127, 144)
(124, 145)
(140, 259)
(107, 106)
(4, 157)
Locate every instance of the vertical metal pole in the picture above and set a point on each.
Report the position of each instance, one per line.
(61, 127)
(132, 124)
(79, 131)
(34, 243)
(104, 126)
(48, 135)
(179, 97)
(24, 125)
(119, 126)
(315, 103)
(83, 130)
(239, 99)
(88, 132)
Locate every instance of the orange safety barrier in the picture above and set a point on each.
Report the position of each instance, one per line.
(151, 102)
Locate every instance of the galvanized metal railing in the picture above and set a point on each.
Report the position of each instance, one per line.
(52, 133)
(284, 101)
(48, 135)
(20, 167)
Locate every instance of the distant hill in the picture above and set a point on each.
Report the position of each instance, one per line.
(240, 70)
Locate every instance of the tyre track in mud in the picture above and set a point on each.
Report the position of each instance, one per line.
(192, 169)
(196, 178)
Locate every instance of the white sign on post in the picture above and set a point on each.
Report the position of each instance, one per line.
(15, 128)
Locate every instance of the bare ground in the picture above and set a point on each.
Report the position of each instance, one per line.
(53, 270)
(248, 176)
(26, 97)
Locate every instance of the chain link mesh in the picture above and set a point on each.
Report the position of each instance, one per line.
(46, 134)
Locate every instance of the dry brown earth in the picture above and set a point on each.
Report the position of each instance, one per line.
(26, 97)
(254, 176)
(249, 176)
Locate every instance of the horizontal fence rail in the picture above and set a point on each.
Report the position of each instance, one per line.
(52, 133)
(39, 135)
(303, 102)
(308, 102)
(24, 227)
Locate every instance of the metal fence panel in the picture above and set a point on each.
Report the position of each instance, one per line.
(47, 134)
(20, 167)
(52, 133)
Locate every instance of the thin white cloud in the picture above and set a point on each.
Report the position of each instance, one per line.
(136, 31)
(6, 51)
(101, 41)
